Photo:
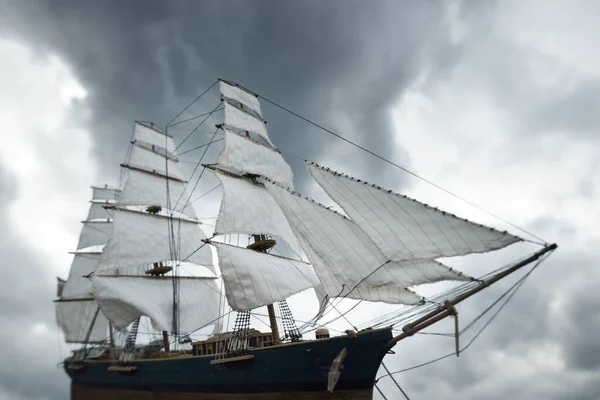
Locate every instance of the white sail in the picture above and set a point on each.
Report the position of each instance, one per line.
(75, 318)
(125, 298)
(403, 228)
(147, 188)
(97, 211)
(249, 208)
(154, 160)
(254, 279)
(348, 262)
(142, 238)
(78, 285)
(378, 286)
(238, 119)
(247, 99)
(104, 193)
(245, 155)
(150, 134)
(93, 233)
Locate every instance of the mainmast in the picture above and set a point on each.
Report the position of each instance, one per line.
(263, 244)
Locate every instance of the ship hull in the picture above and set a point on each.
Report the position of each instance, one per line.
(293, 371)
(94, 393)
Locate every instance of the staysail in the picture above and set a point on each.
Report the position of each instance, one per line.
(404, 228)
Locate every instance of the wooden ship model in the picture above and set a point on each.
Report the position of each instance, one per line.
(137, 237)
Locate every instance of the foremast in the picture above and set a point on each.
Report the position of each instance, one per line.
(154, 230)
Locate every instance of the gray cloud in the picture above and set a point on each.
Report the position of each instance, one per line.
(28, 371)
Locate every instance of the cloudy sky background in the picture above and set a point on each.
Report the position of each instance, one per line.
(496, 101)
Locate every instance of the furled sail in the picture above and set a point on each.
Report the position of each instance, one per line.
(403, 228)
(125, 298)
(245, 155)
(346, 260)
(143, 238)
(253, 279)
(249, 208)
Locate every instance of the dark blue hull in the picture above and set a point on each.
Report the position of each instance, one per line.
(292, 368)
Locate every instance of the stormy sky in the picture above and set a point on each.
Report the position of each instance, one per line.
(496, 101)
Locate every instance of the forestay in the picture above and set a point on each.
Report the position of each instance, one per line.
(125, 298)
(403, 228)
(249, 208)
(141, 238)
(346, 260)
(253, 279)
(245, 155)
(75, 319)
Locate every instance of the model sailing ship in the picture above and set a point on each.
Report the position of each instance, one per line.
(136, 238)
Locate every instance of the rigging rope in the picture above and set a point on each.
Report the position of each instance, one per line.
(380, 392)
(199, 177)
(402, 168)
(395, 381)
(510, 292)
(198, 147)
(192, 118)
(192, 103)
(195, 129)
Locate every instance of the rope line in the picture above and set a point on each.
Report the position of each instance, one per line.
(192, 103)
(403, 169)
(510, 292)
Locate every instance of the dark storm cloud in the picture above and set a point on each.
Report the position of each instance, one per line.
(342, 64)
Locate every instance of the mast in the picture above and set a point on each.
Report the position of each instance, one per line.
(159, 269)
(262, 244)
